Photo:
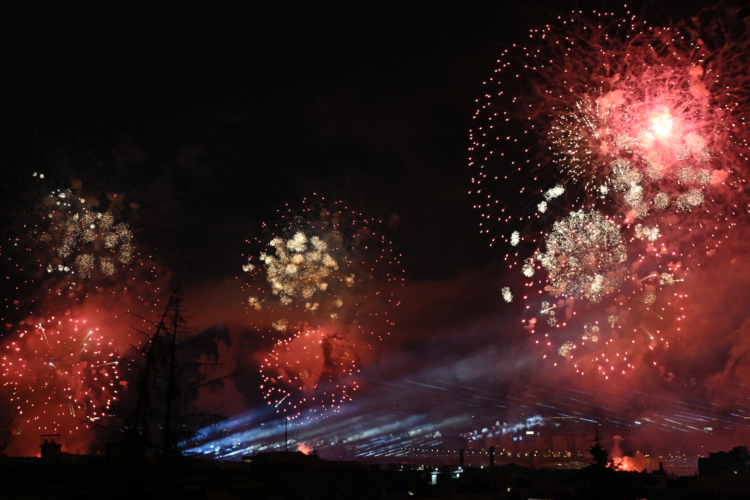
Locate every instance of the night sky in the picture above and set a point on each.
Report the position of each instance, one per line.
(261, 107)
(211, 118)
(241, 109)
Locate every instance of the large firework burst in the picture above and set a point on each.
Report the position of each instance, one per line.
(62, 372)
(632, 152)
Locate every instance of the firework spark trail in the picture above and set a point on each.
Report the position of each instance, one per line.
(320, 286)
(639, 167)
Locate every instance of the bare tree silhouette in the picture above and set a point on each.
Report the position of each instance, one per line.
(167, 380)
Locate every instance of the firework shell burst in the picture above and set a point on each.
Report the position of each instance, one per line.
(61, 371)
(324, 284)
(629, 169)
(82, 240)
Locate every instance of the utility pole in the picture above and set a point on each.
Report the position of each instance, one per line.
(169, 444)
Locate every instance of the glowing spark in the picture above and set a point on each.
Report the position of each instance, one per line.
(555, 192)
(515, 238)
(507, 295)
(255, 303)
(528, 268)
(565, 348)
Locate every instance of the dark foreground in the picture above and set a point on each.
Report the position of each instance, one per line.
(295, 476)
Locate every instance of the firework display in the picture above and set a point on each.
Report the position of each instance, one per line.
(81, 239)
(324, 284)
(60, 360)
(628, 172)
(61, 372)
(299, 269)
(606, 285)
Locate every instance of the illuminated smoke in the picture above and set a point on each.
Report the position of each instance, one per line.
(298, 365)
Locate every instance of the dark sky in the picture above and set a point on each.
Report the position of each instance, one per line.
(249, 108)
(213, 116)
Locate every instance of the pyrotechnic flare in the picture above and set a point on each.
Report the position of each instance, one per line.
(591, 332)
(515, 238)
(280, 325)
(528, 268)
(627, 145)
